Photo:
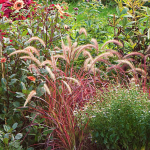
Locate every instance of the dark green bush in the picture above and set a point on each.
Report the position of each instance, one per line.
(108, 2)
(120, 119)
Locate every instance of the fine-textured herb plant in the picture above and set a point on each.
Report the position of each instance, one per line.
(119, 118)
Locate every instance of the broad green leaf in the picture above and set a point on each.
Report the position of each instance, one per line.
(19, 94)
(130, 23)
(12, 75)
(13, 81)
(7, 135)
(124, 22)
(18, 136)
(40, 91)
(15, 125)
(118, 11)
(148, 10)
(12, 137)
(23, 87)
(124, 11)
(3, 80)
(6, 128)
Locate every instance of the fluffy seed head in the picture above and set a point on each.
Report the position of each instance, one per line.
(63, 57)
(46, 62)
(32, 58)
(81, 48)
(32, 93)
(99, 58)
(73, 79)
(86, 63)
(95, 43)
(114, 52)
(143, 73)
(20, 52)
(68, 87)
(36, 38)
(33, 50)
(82, 30)
(112, 41)
(47, 89)
(134, 53)
(50, 73)
(126, 62)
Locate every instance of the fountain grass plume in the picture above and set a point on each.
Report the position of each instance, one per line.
(33, 59)
(83, 30)
(134, 53)
(21, 52)
(31, 94)
(36, 38)
(49, 62)
(67, 85)
(127, 62)
(114, 52)
(73, 79)
(112, 41)
(52, 75)
(99, 57)
(33, 50)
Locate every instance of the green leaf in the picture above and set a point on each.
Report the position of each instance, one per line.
(30, 148)
(5, 140)
(48, 131)
(124, 22)
(16, 104)
(13, 81)
(12, 75)
(148, 10)
(18, 136)
(77, 34)
(24, 32)
(15, 125)
(97, 134)
(49, 148)
(6, 128)
(124, 11)
(41, 120)
(3, 80)
(130, 23)
(23, 87)
(118, 11)
(12, 137)
(40, 91)
(124, 15)
(19, 94)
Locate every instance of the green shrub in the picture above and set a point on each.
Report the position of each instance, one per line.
(120, 119)
(108, 2)
(131, 25)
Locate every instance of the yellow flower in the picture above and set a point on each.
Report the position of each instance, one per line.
(18, 5)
